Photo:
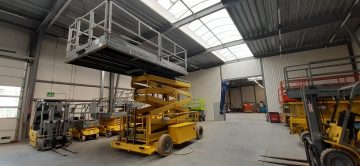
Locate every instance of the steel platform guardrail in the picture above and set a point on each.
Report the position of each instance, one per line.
(326, 75)
(110, 38)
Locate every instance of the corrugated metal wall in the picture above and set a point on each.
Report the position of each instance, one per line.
(241, 69)
(235, 96)
(273, 68)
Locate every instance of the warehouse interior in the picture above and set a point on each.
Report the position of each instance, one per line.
(180, 82)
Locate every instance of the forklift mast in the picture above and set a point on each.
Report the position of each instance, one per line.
(316, 129)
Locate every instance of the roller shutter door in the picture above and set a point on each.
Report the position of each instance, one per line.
(12, 77)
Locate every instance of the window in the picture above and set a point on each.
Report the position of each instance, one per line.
(9, 101)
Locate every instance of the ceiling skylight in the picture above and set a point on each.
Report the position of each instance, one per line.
(212, 30)
(233, 53)
(183, 8)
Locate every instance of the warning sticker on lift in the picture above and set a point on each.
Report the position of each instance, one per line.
(310, 106)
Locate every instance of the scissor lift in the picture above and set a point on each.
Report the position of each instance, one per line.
(85, 119)
(164, 122)
(110, 38)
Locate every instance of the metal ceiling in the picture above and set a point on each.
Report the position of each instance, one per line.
(242, 83)
(303, 24)
(273, 27)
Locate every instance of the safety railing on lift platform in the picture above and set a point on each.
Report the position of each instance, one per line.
(332, 72)
(113, 21)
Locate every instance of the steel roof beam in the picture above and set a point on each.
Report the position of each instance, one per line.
(59, 13)
(219, 47)
(305, 48)
(198, 15)
(287, 29)
(225, 45)
(50, 15)
(302, 25)
(55, 11)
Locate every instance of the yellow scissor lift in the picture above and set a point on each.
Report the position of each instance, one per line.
(163, 122)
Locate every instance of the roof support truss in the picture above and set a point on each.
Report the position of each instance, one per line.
(56, 10)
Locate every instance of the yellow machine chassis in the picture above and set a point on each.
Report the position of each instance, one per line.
(333, 140)
(297, 121)
(111, 125)
(32, 138)
(165, 115)
(91, 131)
(180, 133)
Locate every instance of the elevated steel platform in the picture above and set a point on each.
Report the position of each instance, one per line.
(110, 38)
(322, 78)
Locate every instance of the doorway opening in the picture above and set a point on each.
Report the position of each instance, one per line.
(246, 95)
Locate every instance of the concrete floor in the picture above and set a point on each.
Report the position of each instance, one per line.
(236, 142)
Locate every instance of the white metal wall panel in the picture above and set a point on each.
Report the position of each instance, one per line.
(52, 66)
(248, 94)
(241, 69)
(273, 68)
(235, 96)
(206, 84)
(260, 94)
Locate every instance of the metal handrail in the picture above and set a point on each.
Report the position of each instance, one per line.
(311, 72)
(108, 7)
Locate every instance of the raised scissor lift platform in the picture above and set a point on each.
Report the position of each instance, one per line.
(322, 78)
(110, 38)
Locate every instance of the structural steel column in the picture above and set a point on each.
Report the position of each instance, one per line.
(353, 61)
(111, 93)
(29, 88)
(102, 80)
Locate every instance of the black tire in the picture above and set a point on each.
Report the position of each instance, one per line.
(165, 145)
(39, 144)
(336, 157)
(108, 134)
(304, 135)
(199, 132)
(82, 138)
(310, 154)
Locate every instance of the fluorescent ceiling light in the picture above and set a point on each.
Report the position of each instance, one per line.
(258, 84)
(254, 78)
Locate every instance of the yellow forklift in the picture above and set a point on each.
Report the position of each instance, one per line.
(50, 126)
(163, 122)
(336, 142)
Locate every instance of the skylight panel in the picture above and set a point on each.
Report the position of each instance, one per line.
(225, 55)
(183, 8)
(197, 5)
(241, 51)
(222, 26)
(212, 30)
(179, 10)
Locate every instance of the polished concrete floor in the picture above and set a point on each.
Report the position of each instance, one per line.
(236, 142)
